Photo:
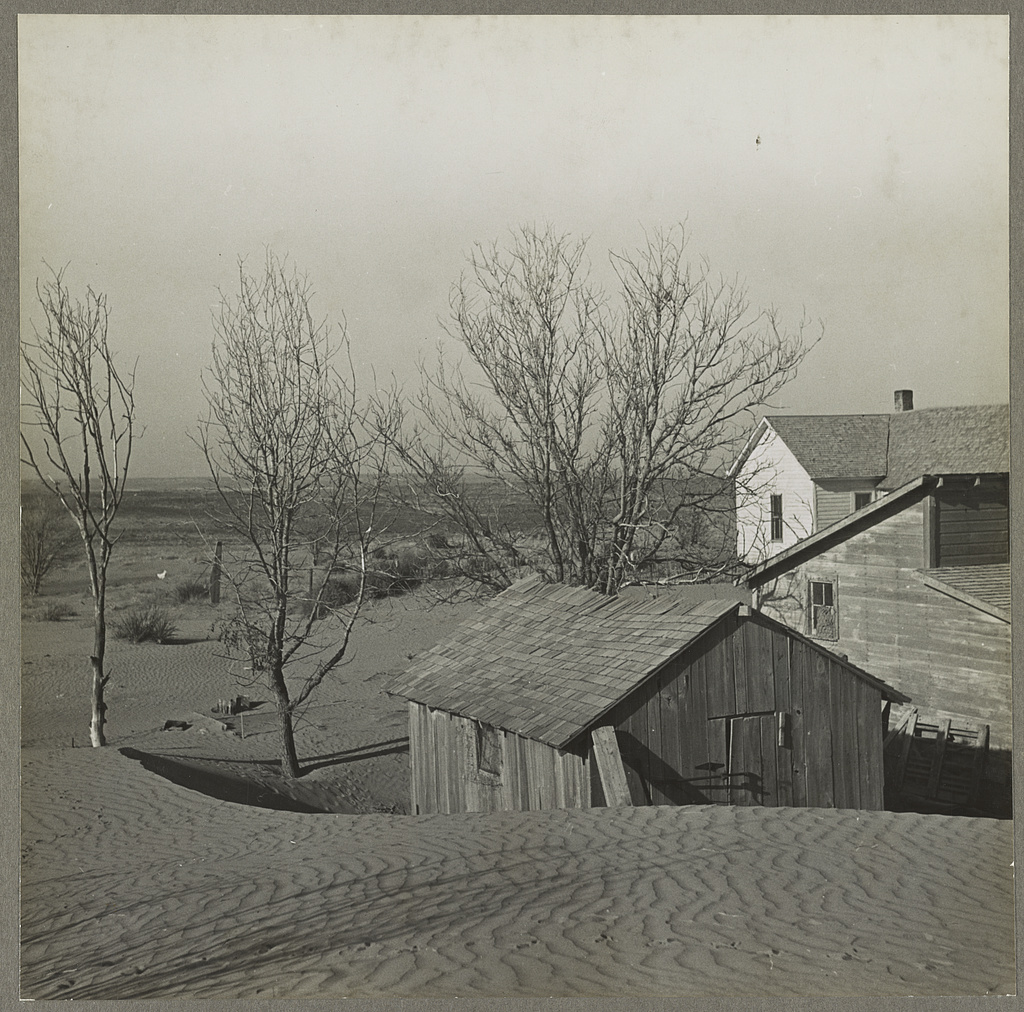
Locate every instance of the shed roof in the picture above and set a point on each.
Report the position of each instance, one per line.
(984, 587)
(546, 661)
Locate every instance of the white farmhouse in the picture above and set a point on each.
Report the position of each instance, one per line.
(798, 474)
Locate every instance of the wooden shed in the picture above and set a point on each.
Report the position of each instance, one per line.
(710, 702)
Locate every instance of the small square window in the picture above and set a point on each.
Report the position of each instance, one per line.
(824, 617)
(776, 512)
(861, 499)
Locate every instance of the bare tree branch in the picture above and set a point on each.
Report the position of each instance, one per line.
(608, 425)
(299, 465)
(82, 410)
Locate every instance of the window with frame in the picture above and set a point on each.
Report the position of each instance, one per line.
(861, 499)
(824, 616)
(488, 749)
(776, 517)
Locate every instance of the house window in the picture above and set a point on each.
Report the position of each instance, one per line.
(823, 614)
(488, 749)
(861, 499)
(776, 517)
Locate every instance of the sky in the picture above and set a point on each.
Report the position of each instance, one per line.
(851, 170)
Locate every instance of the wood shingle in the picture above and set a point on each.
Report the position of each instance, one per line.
(546, 660)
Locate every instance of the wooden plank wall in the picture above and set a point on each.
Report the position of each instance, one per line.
(445, 776)
(947, 656)
(674, 733)
(830, 506)
(973, 524)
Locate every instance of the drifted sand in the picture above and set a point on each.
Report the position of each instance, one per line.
(145, 889)
(136, 887)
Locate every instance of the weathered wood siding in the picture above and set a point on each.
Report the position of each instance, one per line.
(830, 506)
(973, 524)
(948, 657)
(771, 469)
(707, 728)
(446, 776)
(834, 500)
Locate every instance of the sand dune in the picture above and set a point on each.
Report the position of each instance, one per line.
(136, 886)
(141, 888)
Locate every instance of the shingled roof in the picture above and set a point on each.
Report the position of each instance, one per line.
(836, 446)
(895, 448)
(973, 439)
(545, 661)
(985, 587)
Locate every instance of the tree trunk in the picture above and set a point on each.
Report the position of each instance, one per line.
(99, 708)
(99, 681)
(289, 757)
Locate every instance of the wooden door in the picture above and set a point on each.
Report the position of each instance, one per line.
(753, 760)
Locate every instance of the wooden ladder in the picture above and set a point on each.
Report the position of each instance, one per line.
(934, 761)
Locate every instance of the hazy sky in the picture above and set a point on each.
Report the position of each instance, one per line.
(374, 151)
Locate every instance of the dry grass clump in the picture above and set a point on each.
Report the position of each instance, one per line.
(388, 574)
(191, 590)
(57, 611)
(145, 625)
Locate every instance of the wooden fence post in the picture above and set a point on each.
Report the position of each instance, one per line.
(215, 575)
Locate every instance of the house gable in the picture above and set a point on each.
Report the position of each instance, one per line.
(770, 469)
(851, 457)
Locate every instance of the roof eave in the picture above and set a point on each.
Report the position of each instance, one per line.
(965, 597)
(836, 533)
(877, 479)
(653, 673)
(748, 447)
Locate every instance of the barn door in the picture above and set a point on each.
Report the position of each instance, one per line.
(753, 760)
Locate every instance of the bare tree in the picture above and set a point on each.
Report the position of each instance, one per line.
(299, 464)
(84, 412)
(46, 541)
(529, 320)
(607, 425)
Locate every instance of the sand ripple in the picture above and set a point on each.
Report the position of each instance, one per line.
(145, 889)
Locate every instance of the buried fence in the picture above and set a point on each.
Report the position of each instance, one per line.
(243, 710)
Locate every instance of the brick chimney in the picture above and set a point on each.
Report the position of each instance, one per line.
(903, 400)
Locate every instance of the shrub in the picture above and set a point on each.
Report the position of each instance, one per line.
(341, 590)
(57, 611)
(47, 538)
(437, 540)
(190, 590)
(410, 565)
(391, 576)
(143, 625)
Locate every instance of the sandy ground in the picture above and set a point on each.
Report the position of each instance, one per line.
(135, 885)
